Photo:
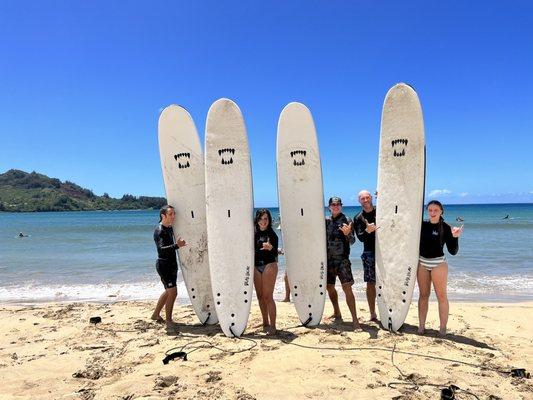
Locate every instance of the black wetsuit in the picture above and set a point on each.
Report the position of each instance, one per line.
(265, 257)
(432, 241)
(338, 247)
(368, 257)
(167, 263)
(368, 239)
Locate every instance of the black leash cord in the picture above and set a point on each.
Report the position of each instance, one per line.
(416, 386)
(397, 351)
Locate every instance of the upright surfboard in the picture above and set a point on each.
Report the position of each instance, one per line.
(229, 199)
(401, 177)
(301, 204)
(182, 163)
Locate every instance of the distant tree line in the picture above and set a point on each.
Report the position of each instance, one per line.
(22, 191)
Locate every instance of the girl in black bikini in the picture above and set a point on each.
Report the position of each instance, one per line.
(266, 268)
(433, 266)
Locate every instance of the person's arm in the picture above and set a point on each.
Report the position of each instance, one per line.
(360, 228)
(159, 242)
(452, 243)
(274, 242)
(350, 237)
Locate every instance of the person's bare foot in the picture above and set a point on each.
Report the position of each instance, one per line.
(336, 318)
(421, 330)
(157, 318)
(373, 318)
(357, 326)
(286, 300)
(272, 331)
(442, 331)
(266, 328)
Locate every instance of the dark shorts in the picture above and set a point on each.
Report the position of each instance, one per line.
(167, 272)
(369, 266)
(341, 268)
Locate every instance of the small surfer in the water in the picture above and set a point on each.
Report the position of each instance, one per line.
(506, 217)
(22, 235)
(266, 268)
(459, 219)
(433, 266)
(339, 237)
(365, 228)
(167, 265)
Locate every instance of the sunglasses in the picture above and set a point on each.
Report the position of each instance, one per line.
(335, 204)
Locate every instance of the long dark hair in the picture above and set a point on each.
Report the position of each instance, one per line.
(163, 211)
(440, 227)
(258, 214)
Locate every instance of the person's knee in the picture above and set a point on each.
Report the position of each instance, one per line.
(424, 295)
(441, 296)
(331, 288)
(347, 287)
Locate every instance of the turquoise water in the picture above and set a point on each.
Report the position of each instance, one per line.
(103, 256)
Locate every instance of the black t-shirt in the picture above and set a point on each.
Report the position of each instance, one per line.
(368, 239)
(433, 238)
(164, 241)
(264, 257)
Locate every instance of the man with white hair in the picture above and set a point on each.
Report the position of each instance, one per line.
(365, 227)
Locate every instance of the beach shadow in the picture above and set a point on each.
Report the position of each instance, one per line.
(452, 337)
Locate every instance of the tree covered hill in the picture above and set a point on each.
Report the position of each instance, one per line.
(22, 191)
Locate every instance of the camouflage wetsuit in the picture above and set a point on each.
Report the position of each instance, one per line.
(339, 250)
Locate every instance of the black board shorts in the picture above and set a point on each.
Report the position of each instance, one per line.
(168, 272)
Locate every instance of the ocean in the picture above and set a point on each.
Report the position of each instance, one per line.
(110, 256)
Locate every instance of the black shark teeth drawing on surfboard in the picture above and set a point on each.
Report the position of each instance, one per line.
(183, 160)
(399, 146)
(223, 152)
(298, 157)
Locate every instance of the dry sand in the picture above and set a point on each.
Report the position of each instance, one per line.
(51, 351)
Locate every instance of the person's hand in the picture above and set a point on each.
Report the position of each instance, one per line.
(457, 231)
(370, 227)
(346, 229)
(180, 242)
(267, 246)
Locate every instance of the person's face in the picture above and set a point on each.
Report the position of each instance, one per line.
(434, 212)
(169, 217)
(263, 222)
(335, 208)
(365, 199)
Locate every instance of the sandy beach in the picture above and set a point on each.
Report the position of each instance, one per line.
(51, 351)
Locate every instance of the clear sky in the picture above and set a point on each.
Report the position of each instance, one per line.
(82, 84)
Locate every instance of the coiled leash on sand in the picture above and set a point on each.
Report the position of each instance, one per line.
(171, 354)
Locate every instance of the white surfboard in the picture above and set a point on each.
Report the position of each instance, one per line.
(401, 177)
(182, 163)
(229, 198)
(301, 204)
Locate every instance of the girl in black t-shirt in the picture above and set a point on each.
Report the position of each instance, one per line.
(266, 268)
(433, 266)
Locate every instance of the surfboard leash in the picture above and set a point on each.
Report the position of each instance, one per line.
(171, 354)
(207, 319)
(447, 393)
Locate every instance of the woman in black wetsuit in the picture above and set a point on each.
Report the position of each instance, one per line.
(166, 264)
(433, 266)
(266, 268)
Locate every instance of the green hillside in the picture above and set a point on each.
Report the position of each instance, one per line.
(21, 191)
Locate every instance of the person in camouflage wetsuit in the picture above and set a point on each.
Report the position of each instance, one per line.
(339, 236)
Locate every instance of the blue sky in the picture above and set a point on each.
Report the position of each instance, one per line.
(82, 85)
